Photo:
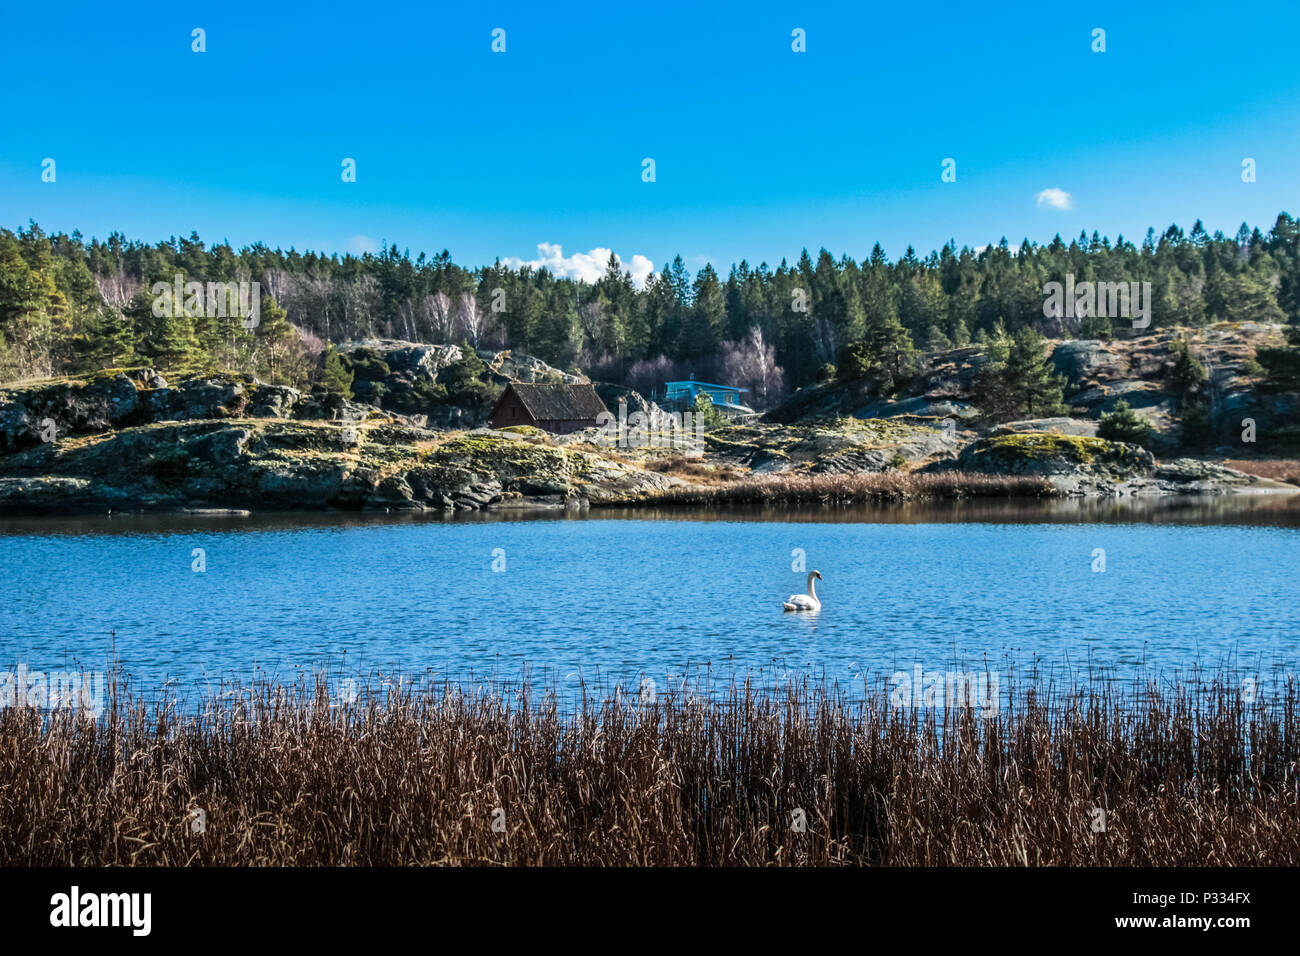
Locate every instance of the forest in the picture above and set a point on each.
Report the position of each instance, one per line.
(69, 305)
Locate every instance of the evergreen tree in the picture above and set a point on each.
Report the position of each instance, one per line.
(560, 329)
(890, 346)
(277, 341)
(106, 341)
(467, 381)
(1282, 364)
(706, 319)
(170, 342)
(1196, 427)
(705, 412)
(1032, 376)
(1187, 374)
(334, 377)
(1124, 424)
(935, 340)
(1018, 380)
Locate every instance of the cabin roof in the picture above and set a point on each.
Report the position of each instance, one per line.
(557, 402)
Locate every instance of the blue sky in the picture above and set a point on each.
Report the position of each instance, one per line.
(759, 151)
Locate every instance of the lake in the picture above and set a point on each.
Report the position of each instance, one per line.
(620, 596)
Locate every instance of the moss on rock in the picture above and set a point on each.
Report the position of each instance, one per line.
(1054, 453)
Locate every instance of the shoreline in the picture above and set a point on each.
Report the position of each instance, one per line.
(239, 467)
(701, 505)
(124, 443)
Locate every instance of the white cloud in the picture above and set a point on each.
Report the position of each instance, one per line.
(1055, 199)
(359, 245)
(587, 266)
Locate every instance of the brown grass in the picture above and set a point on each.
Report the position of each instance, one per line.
(858, 487)
(1279, 469)
(404, 777)
(692, 469)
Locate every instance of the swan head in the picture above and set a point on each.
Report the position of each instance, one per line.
(817, 575)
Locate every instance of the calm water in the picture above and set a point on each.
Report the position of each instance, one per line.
(619, 597)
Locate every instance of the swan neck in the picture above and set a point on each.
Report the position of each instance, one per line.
(812, 587)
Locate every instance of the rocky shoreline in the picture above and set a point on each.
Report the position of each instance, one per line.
(127, 440)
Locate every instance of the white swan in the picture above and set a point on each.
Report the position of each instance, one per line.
(805, 602)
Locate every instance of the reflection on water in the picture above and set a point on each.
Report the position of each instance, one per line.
(618, 595)
(1281, 510)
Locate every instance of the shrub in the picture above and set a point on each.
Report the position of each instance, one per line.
(1197, 424)
(706, 413)
(1124, 424)
(335, 376)
(1188, 373)
(366, 364)
(465, 381)
(853, 362)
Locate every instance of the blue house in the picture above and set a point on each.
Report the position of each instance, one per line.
(686, 392)
(680, 396)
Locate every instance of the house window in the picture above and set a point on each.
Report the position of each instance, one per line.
(513, 411)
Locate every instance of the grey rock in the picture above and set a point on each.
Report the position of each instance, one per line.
(922, 406)
(411, 359)
(275, 401)
(614, 395)
(1081, 359)
(29, 413)
(1061, 426)
(1138, 393)
(511, 367)
(217, 396)
(1055, 456)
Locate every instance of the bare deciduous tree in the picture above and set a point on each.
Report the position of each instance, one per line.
(439, 318)
(751, 363)
(470, 318)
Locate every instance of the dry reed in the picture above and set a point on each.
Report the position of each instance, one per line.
(861, 487)
(1279, 469)
(287, 776)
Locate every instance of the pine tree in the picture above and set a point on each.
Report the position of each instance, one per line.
(466, 380)
(27, 300)
(171, 343)
(935, 340)
(276, 341)
(333, 377)
(1282, 364)
(106, 342)
(1124, 424)
(1032, 378)
(705, 413)
(890, 346)
(1188, 374)
(559, 332)
(1018, 380)
(1197, 424)
(959, 334)
(706, 317)
(523, 314)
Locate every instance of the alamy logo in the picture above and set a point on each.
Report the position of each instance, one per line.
(103, 909)
(967, 689)
(1116, 300)
(215, 300)
(655, 429)
(55, 690)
